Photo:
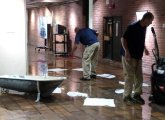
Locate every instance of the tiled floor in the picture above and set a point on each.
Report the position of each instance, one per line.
(60, 106)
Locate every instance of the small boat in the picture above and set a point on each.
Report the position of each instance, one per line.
(42, 85)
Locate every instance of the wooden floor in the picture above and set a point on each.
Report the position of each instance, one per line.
(60, 106)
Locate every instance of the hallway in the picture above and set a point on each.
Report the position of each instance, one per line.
(64, 106)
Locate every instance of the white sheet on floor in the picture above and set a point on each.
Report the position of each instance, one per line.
(99, 75)
(106, 76)
(120, 82)
(77, 94)
(99, 102)
(120, 91)
(78, 69)
(57, 90)
(144, 84)
(56, 70)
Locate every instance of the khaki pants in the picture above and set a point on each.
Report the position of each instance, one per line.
(89, 60)
(133, 76)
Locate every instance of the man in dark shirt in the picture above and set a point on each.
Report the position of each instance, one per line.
(88, 38)
(133, 46)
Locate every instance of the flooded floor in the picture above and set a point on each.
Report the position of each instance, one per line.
(98, 99)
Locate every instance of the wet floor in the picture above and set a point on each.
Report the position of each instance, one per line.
(98, 99)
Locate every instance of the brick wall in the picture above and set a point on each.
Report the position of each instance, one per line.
(72, 15)
(127, 9)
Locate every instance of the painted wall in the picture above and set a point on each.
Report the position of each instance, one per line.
(13, 43)
(69, 15)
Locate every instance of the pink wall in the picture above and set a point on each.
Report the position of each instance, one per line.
(69, 15)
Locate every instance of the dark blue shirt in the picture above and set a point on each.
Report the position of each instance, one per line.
(86, 36)
(135, 38)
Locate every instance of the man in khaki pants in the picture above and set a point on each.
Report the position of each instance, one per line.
(133, 46)
(88, 38)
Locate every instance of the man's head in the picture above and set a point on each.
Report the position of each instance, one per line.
(147, 19)
(76, 29)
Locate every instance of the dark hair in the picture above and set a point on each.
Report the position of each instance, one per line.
(148, 15)
(76, 29)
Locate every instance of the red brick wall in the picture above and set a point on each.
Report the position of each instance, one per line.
(125, 8)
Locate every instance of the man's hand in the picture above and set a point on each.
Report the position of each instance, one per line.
(127, 56)
(74, 49)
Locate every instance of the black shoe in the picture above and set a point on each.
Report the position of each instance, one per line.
(85, 79)
(93, 76)
(139, 99)
(129, 100)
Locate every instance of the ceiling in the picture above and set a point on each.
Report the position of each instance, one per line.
(43, 3)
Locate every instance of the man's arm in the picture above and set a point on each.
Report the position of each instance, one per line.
(125, 47)
(74, 48)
